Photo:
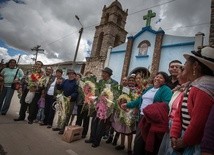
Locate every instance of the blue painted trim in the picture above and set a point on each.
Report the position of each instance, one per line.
(178, 44)
(121, 51)
(142, 56)
(147, 28)
(130, 37)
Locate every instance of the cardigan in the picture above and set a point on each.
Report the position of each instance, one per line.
(163, 94)
(199, 104)
(154, 122)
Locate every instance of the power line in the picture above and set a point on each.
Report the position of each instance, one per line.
(152, 7)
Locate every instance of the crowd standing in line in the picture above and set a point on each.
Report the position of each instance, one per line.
(170, 115)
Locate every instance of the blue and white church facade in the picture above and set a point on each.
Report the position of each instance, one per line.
(149, 50)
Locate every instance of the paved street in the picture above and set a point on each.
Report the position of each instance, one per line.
(20, 138)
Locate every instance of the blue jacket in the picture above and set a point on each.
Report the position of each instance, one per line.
(69, 88)
(163, 94)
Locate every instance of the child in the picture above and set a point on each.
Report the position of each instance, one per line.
(41, 105)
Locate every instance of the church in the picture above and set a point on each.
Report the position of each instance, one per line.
(148, 51)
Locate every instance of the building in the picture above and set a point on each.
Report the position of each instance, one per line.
(148, 51)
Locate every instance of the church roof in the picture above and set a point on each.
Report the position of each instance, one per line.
(116, 3)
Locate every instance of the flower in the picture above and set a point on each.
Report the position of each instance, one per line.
(126, 115)
(105, 104)
(36, 80)
(89, 96)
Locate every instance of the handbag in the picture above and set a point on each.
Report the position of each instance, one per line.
(16, 85)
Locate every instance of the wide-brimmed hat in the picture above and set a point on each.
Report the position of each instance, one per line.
(107, 70)
(204, 55)
(70, 71)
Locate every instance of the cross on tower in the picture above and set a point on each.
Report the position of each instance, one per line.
(148, 17)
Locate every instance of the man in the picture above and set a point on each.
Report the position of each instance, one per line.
(173, 70)
(50, 97)
(70, 90)
(95, 137)
(37, 74)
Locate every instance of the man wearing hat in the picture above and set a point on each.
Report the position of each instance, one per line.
(105, 82)
(70, 89)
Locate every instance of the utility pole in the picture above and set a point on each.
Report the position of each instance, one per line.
(37, 49)
(78, 43)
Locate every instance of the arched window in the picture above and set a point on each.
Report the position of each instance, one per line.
(117, 40)
(119, 20)
(106, 18)
(99, 44)
(143, 47)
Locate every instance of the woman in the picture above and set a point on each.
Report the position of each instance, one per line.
(189, 121)
(159, 92)
(173, 106)
(119, 125)
(8, 75)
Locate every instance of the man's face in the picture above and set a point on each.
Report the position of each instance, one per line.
(105, 75)
(71, 76)
(173, 69)
(49, 71)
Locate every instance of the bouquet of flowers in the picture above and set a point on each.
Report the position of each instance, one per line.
(126, 116)
(105, 104)
(62, 108)
(89, 96)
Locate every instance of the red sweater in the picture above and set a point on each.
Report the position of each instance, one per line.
(199, 104)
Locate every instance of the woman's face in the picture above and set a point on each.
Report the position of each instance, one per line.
(139, 79)
(181, 78)
(188, 69)
(12, 64)
(131, 82)
(158, 81)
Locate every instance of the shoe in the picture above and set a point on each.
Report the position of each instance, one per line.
(49, 126)
(105, 137)
(18, 119)
(55, 129)
(110, 139)
(114, 142)
(120, 147)
(94, 145)
(3, 114)
(129, 152)
(60, 132)
(83, 136)
(41, 123)
(30, 122)
(88, 141)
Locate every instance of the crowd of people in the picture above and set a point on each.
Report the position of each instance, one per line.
(168, 114)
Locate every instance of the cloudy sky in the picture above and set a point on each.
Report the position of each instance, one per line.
(52, 24)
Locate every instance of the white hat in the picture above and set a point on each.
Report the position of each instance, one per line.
(205, 56)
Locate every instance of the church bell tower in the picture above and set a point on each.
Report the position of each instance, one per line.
(110, 32)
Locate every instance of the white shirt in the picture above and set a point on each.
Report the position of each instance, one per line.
(51, 89)
(148, 99)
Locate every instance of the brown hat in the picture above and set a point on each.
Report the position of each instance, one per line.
(59, 70)
(70, 71)
(108, 70)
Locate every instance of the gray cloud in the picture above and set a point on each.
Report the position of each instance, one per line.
(52, 23)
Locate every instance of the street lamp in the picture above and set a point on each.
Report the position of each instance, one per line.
(78, 43)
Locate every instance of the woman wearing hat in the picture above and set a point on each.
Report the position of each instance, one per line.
(189, 121)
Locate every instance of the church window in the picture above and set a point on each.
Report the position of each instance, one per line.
(106, 18)
(117, 40)
(99, 44)
(119, 20)
(143, 47)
